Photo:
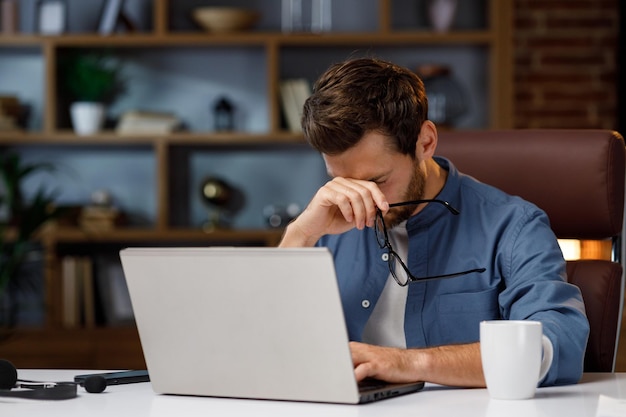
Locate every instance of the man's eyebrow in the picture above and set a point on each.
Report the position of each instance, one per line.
(377, 178)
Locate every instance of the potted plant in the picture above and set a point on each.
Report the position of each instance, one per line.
(93, 80)
(23, 219)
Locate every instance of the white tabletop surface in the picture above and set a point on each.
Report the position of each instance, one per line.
(139, 400)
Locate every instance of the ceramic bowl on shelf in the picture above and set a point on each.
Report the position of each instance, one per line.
(225, 19)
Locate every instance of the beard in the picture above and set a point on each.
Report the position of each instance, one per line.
(414, 191)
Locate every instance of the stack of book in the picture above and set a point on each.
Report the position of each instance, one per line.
(98, 218)
(137, 122)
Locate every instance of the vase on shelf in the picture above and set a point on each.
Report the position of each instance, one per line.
(306, 16)
(441, 14)
(447, 99)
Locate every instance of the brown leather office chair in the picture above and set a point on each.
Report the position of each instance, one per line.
(577, 177)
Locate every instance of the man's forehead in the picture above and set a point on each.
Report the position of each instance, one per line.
(357, 168)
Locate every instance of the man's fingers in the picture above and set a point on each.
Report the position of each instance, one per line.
(356, 200)
(361, 372)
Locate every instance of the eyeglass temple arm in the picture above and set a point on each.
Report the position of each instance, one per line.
(442, 202)
(455, 274)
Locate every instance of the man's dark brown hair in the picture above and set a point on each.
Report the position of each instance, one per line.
(363, 95)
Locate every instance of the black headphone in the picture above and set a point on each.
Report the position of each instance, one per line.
(44, 390)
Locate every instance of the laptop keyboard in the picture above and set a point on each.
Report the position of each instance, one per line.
(372, 384)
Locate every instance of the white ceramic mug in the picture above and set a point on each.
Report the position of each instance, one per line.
(515, 356)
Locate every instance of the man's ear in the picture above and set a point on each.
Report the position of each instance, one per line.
(426, 141)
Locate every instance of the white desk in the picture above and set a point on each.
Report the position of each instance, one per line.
(139, 400)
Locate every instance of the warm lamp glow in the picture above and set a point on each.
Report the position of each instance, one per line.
(570, 249)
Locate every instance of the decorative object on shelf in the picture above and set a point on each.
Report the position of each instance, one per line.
(279, 215)
(224, 115)
(51, 17)
(447, 101)
(441, 14)
(295, 16)
(9, 107)
(225, 19)
(100, 215)
(9, 13)
(93, 80)
(291, 16)
(13, 114)
(21, 220)
(321, 16)
(224, 199)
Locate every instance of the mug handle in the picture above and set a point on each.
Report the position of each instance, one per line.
(548, 353)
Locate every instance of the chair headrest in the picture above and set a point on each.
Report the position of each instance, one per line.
(576, 176)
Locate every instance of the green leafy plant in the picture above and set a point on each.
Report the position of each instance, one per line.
(24, 218)
(92, 76)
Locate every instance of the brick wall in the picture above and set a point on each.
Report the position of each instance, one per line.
(565, 63)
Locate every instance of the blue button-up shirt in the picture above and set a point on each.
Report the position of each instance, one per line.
(510, 237)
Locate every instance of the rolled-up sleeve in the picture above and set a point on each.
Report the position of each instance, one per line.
(536, 289)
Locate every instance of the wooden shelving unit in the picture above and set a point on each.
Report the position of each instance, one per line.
(112, 347)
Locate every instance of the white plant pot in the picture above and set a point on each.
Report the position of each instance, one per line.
(87, 117)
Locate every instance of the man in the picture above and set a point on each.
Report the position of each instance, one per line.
(479, 253)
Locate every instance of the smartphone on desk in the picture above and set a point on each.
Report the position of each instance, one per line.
(117, 378)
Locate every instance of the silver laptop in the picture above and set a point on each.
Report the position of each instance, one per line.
(264, 323)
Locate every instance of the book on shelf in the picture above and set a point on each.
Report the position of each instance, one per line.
(69, 283)
(137, 122)
(88, 304)
(78, 292)
(113, 296)
(110, 16)
(114, 17)
(293, 93)
(94, 292)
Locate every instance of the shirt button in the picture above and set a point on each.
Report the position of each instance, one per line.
(365, 303)
(385, 257)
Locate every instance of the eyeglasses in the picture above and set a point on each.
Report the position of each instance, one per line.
(395, 263)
